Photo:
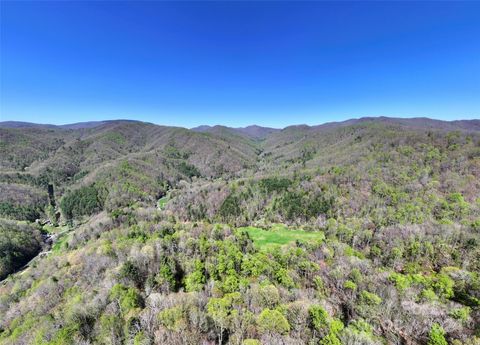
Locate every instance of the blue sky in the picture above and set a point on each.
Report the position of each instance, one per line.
(238, 63)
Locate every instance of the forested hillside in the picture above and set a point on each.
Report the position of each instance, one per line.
(360, 232)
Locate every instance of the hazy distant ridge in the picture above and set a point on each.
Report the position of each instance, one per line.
(260, 132)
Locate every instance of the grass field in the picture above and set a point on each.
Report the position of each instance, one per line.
(279, 235)
(62, 235)
(162, 202)
(55, 229)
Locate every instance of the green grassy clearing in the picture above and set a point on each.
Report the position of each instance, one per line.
(279, 235)
(162, 202)
(55, 229)
(62, 233)
(60, 243)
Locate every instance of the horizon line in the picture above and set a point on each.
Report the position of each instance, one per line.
(245, 126)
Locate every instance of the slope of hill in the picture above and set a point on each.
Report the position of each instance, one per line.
(413, 123)
(252, 132)
(78, 125)
(20, 124)
(20, 147)
(145, 157)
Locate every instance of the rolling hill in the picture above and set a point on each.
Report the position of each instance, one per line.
(359, 232)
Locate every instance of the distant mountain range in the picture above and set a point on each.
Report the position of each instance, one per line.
(260, 132)
(253, 131)
(77, 125)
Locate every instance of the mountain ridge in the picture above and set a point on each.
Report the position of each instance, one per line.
(255, 130)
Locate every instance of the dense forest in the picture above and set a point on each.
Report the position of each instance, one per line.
(122, 232)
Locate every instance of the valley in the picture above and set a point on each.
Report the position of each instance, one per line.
(358, 232)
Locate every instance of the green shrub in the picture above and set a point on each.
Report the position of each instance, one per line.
(273, 321)
(330, 339)
(476, 225)
(319, 285)
(195, 280)
(65, 335)
(370, 298)
(251, 342)
(166, 275)
(453, 207)
(443, 285)
(461, 314)
(140, 338)
(318, 318)
(128, 298)
(172, 318)
(284, 278)
(402, 282)
(111, 326)
(349, 251)
(221, 309)
(428, 295)
(230, 283)
(131, 272)
(349, 285)
(437, 335)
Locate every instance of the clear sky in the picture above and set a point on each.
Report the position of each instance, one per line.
(238, 63)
